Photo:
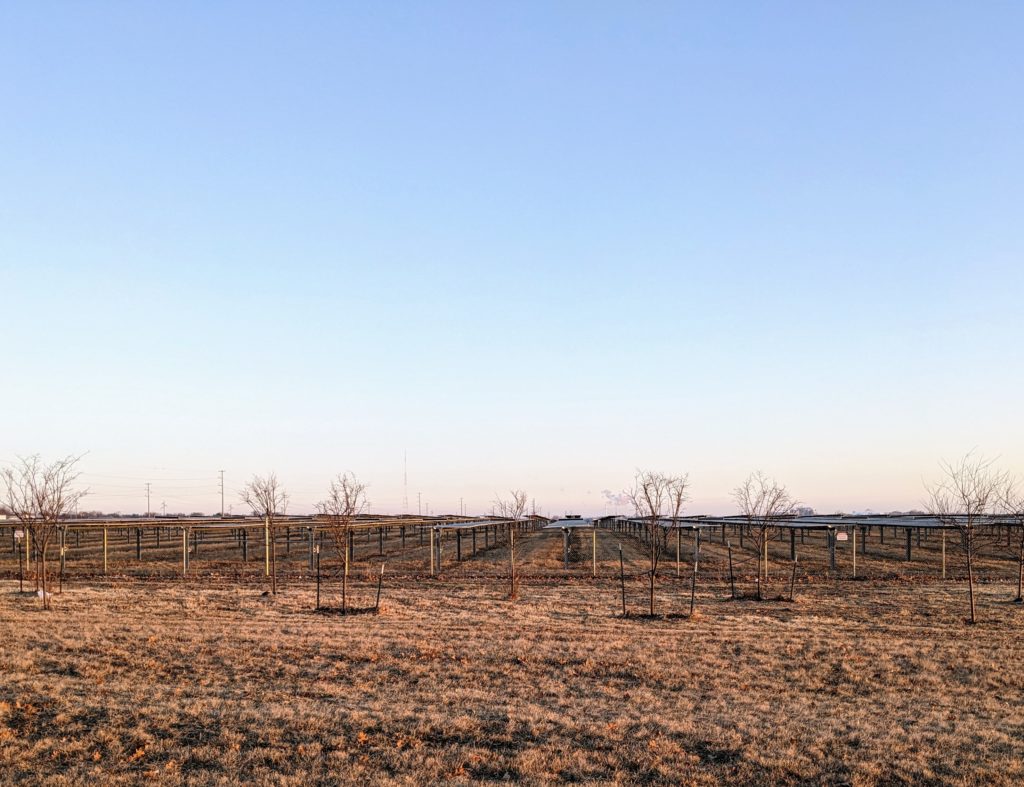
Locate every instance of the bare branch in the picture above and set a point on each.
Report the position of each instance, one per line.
(265, 497)
(763, 502)
(969, 491)
(40, 496)
(345, 501)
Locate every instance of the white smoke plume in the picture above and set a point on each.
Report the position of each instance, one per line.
(616, 499)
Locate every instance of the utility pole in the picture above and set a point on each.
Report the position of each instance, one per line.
(221, 494)
(405, 482)
(148, 508)
(419, 504)
(462, 509)
(163, 506)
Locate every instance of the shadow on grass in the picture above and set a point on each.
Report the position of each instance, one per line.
(766, 600)
(349, 611)
(647, 617)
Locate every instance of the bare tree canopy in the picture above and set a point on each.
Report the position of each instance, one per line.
(512, 508)
(655, 496)
(267, 498)
(968, 492)
(346, 500)
(1011, 505)
(40, 495)
(678, 490)
(763, 502)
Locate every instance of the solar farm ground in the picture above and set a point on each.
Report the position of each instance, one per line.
(141, 676)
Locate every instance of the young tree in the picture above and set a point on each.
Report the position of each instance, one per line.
(39, 496)
(1011, 504)
(678, 490)
(653, 495)
(964, 499)
(677, 496)
(346, 500)
(513, 510)
(763, 502)
(267, 499)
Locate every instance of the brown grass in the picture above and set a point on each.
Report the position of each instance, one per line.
(868, 682)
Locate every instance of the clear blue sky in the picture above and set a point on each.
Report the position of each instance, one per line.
(532, 244)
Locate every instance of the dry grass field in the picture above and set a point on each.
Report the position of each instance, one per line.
(204, 681)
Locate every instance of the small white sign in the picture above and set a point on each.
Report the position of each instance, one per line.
(19, 534)
(842, 537)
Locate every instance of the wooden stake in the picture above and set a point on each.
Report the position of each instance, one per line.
(732, 579)
(693, 583)
(853, 535)
(316, 549)
(266, 546)
(622, 581)
(512, 562)
(380, 581)
(63, 539)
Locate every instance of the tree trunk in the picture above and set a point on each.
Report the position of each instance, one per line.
(273, 561)
(622, 581)
(344, 578)
(32, 556)
(693, 584)
(42, 571)
(760, 555)
(512, 562)
(970, 576)
(654, 565)
(380, 582)
(1020, 571)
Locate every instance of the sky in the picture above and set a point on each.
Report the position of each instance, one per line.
(511, 245)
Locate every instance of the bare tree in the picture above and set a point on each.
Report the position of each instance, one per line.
(346, 500)
(266, 499)
(39, 496)
(1011, 503)
(964, 499)
(653, 496)
(678, 494)
(763, 502)
(513, 510)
